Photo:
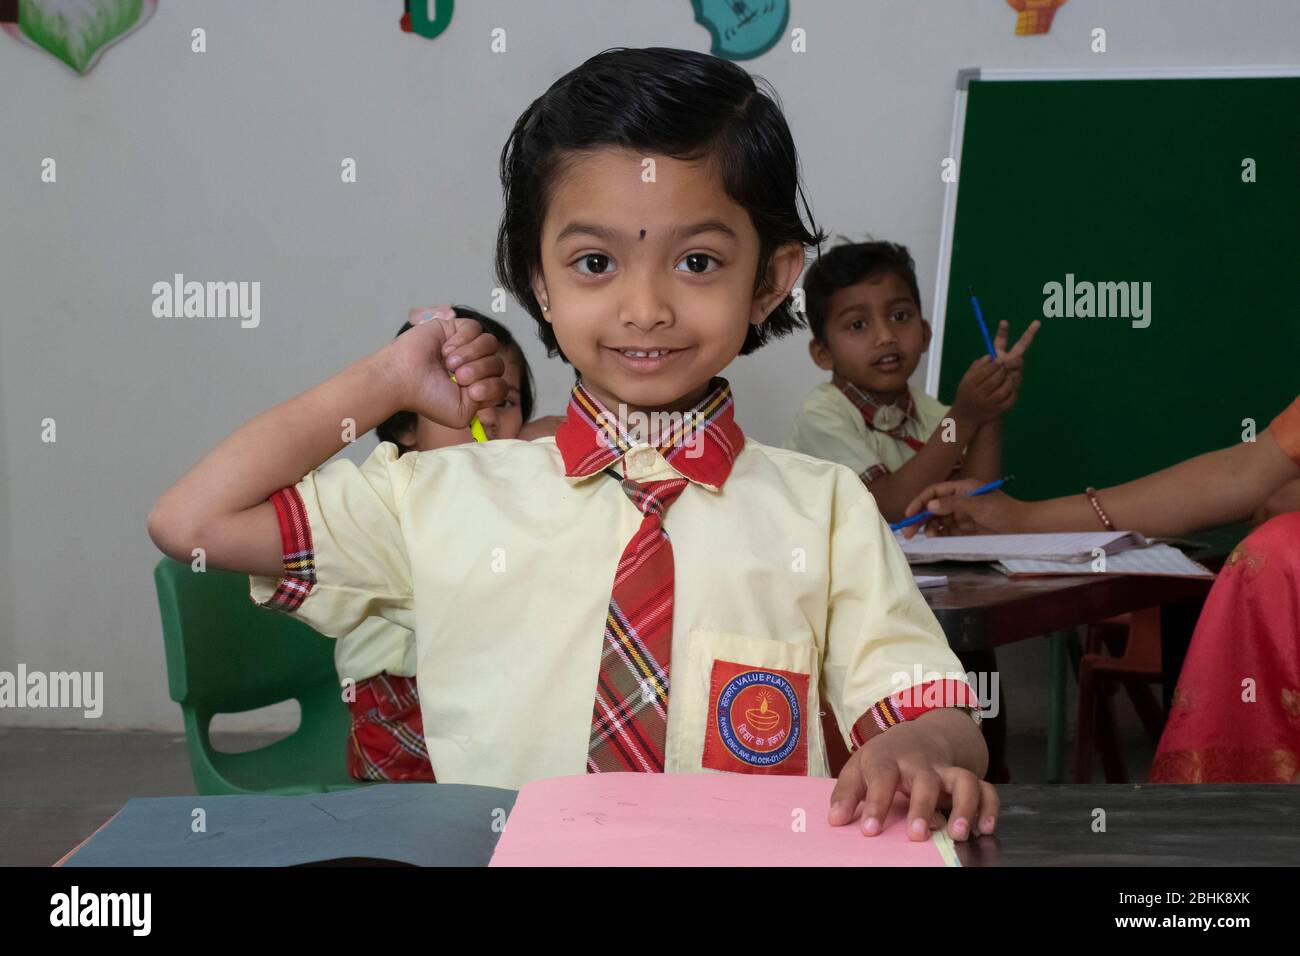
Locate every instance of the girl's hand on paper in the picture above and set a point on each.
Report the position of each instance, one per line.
(955, 512)
(917, 758)
(420, 364)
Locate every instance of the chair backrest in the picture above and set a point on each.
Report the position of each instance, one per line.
(224, 653)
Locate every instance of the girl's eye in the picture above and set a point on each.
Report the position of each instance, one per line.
(508, 403)
(901, 316)
(698, 263)
(857, 325)
(597, 262)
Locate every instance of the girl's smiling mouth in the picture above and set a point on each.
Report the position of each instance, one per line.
(645, 359)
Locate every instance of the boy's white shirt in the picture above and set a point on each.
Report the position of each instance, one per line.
(501, 567)
(829, 426)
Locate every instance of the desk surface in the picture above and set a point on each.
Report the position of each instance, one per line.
(1146, 825)
(981, 608)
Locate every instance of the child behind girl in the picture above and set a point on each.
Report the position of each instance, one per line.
(386, 741)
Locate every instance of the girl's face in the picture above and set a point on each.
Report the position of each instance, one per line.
(650, 284)
(500, 421)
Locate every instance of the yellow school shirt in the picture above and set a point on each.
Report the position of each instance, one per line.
(829, 426)
(376, 645)
(502, 568)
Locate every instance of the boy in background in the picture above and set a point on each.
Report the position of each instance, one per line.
(864, 311)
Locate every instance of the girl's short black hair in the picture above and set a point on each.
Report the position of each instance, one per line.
(676, 103)
(848, 264)
(400, 422)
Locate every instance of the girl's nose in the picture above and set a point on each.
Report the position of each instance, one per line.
(644, 307)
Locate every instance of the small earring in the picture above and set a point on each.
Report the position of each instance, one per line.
(546, 308)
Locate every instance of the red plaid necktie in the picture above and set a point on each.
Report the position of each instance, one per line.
(630, 717)
(630, 721)
(868, 406)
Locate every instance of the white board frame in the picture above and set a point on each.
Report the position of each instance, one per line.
(944, 265)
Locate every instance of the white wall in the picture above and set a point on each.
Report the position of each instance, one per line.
(225, 166)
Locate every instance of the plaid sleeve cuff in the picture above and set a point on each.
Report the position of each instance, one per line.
(298, 555)
(910, 703)
(872, 473)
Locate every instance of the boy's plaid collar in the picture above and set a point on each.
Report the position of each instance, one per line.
(881, 417)
(700, 444)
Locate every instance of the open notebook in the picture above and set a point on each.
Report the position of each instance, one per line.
(1034, 555)
(1159, 559)
(1068, 546)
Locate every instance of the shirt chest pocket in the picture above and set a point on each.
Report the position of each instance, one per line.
(746, 704)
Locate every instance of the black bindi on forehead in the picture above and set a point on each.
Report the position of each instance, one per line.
(642, 233)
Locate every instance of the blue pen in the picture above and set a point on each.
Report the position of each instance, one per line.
(924, 513)
(979, 316)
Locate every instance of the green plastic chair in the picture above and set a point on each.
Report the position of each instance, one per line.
(226, 655)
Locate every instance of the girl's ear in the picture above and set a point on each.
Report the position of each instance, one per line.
(782, 273)
(540, 294)
(926, 335)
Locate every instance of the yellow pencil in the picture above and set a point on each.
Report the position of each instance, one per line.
(475, 426)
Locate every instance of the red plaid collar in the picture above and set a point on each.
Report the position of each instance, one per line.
(701, 443)
(869, 407)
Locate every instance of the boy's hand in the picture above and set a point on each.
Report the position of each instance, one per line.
(956, 512)
(984, 392)
(915, 758)
(438, 345)
(1014, 361)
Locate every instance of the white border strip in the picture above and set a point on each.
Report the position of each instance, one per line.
(938, 310)
(940, 301)
(1145, 73)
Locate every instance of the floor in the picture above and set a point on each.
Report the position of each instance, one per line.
(58, 786)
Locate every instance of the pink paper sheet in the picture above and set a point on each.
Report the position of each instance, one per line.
(699, 819)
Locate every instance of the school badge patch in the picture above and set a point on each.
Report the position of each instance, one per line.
(757, 720)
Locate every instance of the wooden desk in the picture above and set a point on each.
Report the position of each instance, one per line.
(1146, 825)
(982, 608)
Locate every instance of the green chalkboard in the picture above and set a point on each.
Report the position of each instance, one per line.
(1122, 180)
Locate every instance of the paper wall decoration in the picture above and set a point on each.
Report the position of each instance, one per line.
(742, 29)
(416, 18)
(75, 31)
(1034, 16)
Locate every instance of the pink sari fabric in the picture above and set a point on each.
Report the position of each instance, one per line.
(1235, 715)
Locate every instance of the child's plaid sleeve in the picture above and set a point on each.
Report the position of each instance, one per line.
(344, 556)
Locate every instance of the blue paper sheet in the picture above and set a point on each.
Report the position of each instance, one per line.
(423, 824)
